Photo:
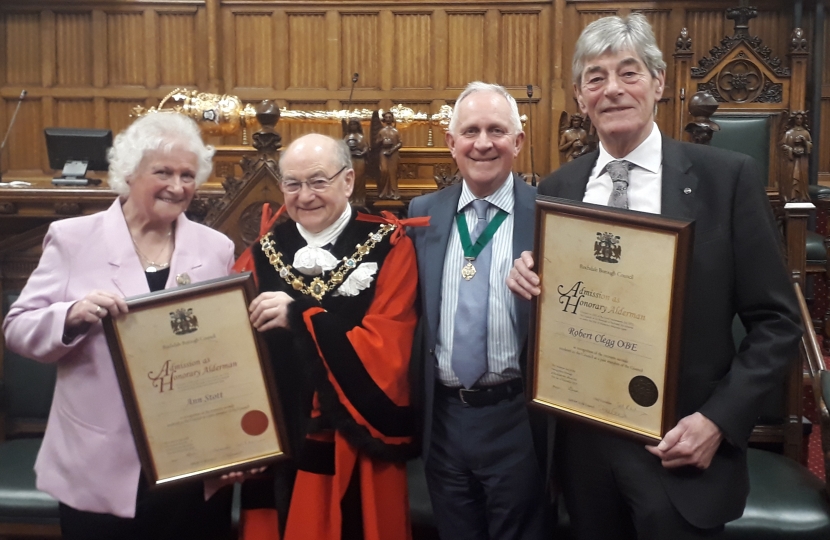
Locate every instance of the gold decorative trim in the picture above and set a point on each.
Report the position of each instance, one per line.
(318, 287)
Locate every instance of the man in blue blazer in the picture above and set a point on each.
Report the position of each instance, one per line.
(696, 478)
(483, 475)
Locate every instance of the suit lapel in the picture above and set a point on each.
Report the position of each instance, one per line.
(524, 203)
(573, 186)
(679, 183)
(127, 274)
(186, 255)
(441, 215)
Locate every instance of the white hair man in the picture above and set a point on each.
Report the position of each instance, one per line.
(695, 479)
(482, 471)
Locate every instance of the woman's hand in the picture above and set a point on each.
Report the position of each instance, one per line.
(270, 310)
(91, 309)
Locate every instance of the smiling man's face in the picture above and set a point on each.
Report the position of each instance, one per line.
(618, 93)
(485, 143)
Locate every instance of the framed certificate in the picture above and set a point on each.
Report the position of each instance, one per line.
(605, 333)
(196, 381)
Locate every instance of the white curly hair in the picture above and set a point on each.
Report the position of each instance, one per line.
(166, 132)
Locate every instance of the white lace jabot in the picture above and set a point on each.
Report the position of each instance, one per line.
(312, 260)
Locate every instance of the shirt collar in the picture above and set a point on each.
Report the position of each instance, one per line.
(330, 233)
(648, 155)
(502, 198)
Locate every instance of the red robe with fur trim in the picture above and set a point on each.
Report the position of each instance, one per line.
(342, 374)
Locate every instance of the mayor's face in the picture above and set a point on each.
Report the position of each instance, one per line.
(619, 93)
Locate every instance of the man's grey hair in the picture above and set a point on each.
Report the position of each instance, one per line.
(162, 131)
(478, 86)
(342, 155)
(615, 34)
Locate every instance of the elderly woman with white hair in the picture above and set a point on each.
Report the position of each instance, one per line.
(142, 243)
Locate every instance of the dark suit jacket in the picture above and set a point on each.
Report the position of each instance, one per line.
(737, 268)
(430, 247)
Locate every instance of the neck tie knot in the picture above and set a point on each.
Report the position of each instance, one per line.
(481, 206)
(618, 171)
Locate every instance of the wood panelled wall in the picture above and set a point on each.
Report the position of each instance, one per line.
(87, 63)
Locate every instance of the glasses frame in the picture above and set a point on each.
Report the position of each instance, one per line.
(329, 181)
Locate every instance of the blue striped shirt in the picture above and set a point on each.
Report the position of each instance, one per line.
(502, 341)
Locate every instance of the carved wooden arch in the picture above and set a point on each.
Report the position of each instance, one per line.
(747, 78)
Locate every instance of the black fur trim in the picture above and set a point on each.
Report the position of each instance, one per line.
(317, 457)
(357, 435)
(296, 310)
(357, 384)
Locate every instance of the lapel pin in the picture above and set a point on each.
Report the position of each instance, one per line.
(687, 190)
(182, 279)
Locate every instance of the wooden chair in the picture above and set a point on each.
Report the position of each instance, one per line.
(755, 94)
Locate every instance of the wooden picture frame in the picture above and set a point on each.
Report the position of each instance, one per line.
(197, 382)
(605, 334)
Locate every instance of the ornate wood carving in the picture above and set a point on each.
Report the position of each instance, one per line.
(8, 208)
(684, 42)
(741, 16)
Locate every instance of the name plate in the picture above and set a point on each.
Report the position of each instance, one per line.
(605, 333)
(196, 381)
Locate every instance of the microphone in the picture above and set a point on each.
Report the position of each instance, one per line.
(530, 133)
(11, 124)
(351, 92)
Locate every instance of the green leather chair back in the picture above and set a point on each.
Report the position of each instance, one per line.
(748, 135)
(28, 385)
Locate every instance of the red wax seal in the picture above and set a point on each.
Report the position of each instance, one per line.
(254, 423)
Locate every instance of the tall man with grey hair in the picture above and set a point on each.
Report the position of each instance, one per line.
(695, 479)
(482, 471)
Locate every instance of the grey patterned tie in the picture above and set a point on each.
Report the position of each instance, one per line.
(469, 346)
(618, 171)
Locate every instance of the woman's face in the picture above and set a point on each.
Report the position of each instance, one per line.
(163, 185)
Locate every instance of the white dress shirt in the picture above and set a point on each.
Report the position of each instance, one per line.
(644, 181)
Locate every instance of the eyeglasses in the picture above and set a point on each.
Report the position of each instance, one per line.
(318, 184)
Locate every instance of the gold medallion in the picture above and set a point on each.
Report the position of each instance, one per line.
(468, 271)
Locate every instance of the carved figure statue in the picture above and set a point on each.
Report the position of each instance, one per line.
(353, 135)
(702, 106)
(798, 144)
(574, 140)
(388, 140)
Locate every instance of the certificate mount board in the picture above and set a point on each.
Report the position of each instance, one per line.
(605, 335)
(196, 381)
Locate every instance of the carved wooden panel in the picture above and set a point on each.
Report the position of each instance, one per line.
(73, 47)
(412, 58)
(176, 51)
(118, 113)
(252, 50)
(75, 112)
(125, 49)
(307, 50)
(466, 48)
(519, 49)
(28, 135)
(359, 46)
(23, 52)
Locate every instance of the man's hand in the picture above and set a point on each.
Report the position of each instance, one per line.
(693, 441)
(521, 279)
(270, 310)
